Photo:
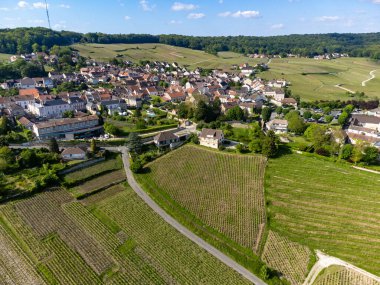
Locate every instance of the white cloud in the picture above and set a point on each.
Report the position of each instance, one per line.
(224, 14)
(277, 26)
(39, 5)
(241, 14)
(22, 4)
(59, 26)
(376, 1)
(195, 16)
(328, 18)
(4, 9)
(64, 6)
(175, 22)
(127, 18)
(178, 6)
(146, 6)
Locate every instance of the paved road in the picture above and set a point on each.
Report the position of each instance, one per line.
(183, 230)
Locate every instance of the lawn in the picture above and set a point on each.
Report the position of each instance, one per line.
(52, 239)
(4, 56)
(316, 79)
(161, 52)
(326, 206)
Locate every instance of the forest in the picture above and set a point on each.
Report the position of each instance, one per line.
(20, 40)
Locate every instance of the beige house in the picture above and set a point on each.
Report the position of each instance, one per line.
(211, 138)
(277, 125)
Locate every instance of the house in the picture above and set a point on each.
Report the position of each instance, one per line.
(174, 96)
(133, 101)
(23, 100)
(278, 126)
(50, 108)
(211, 138)
(289, 102)
(27, 83)
(73, 153)
(26, 123)
(165, 139)
(364, 128)
(68, 128)
(77, 104)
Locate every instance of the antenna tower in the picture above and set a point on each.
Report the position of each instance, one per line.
(47, 14)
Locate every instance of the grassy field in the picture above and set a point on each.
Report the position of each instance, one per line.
(326, 206)
(4, 56)
(316, 79)
(340, 275)
(53, 239)
(161, 52)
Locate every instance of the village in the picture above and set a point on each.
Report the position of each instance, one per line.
(105, 92)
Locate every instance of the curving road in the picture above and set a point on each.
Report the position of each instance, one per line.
(183, 230)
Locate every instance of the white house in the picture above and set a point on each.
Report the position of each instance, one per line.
(278, 126)
(211, 138)
(73, 153)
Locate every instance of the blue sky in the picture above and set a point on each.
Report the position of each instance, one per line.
(195, 17)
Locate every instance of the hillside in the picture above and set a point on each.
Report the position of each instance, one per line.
(160, 52)
(319, 79)
(20, 40)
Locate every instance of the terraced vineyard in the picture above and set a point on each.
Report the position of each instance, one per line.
(289, 258)
(223, 191)
(53, 239)
(326, 206)
(340, 275)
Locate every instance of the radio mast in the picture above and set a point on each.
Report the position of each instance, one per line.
(47, 14)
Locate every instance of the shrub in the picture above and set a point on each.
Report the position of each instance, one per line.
(136, 166)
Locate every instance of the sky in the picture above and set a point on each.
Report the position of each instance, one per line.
(196, 17)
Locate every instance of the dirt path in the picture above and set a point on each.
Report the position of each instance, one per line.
(365, 169)
(325, 261)
(201, 61)
(372, 74)
(344, 88)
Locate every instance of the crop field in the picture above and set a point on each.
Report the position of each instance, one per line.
(161, 52)
(93, 171)
(326, 206)
(53, 239)
(223, 191)
(289, 258)
(317, 79)
(99, 183)
(341, 275)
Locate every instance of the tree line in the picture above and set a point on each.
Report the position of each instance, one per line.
(20, 40)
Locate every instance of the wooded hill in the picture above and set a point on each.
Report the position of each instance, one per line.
(20, 40)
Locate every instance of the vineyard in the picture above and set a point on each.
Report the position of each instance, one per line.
(51, 238)
(326, 206)
(289, 258)
(223, 191)
(87, 173)
(99, 183)
(340, 275)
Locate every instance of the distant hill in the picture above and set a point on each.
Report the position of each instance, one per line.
(21, 40)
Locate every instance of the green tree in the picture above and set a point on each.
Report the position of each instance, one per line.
(53, 145)
(318, 135)
(4, 125)
(68, 114)
(235, 114)
(140, 124)
(295, 123)
(328, 119)
(307, 115)
(269, 145)
(357, 153)
(36, 47)
(370, 155)
(346, 151)
(279, 110)
(93, 146)
(343, 118)
(183, 110)
(136, 166)
(111, 129)
(265, 114)
(138, 113)
(348, 109)
(134, 143)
